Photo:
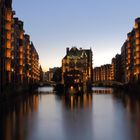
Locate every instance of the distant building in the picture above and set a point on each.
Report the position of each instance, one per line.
(97, 74)
(102, 73)
(77, 66)
(42, 75)
(49, 74)
(116, 74)
(123, 62)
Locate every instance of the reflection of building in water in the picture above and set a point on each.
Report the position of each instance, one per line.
(132, 106)
(103, 91)
(82, 101)
(14, 125)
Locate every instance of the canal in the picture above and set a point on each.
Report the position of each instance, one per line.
(102, 115)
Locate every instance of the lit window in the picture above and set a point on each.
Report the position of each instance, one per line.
(8, 53)
(8, 35)
(20, 71)
(8, 15)
(137, 61)
(8, 44)
(137, 41)
(8, 66)
(8, 26)
(137, 34)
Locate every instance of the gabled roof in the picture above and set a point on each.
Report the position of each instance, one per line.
(77, 53)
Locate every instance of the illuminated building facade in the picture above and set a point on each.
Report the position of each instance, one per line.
(35, 67)
(18, 57)
(97, 74)
(77, 67)
(125, 67)
(102, 73)
(19, 60)
(136, 51)
(131, 54)
(6, 15)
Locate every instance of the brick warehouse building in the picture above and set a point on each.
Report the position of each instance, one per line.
(77, 68)
(19, 60)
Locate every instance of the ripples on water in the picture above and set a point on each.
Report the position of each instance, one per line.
(103, 115)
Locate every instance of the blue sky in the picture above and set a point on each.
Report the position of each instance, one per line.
(56, 24)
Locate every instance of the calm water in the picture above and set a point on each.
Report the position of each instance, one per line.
(46, 116)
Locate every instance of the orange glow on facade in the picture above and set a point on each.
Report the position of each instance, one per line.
(8, 53)
(17, 60)
(8, 66)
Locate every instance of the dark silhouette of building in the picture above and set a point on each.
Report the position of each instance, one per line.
(117, 68)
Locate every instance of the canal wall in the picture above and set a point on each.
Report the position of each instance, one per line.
(132, 88)
(129, 88)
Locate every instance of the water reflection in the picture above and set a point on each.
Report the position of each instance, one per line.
(102, 90)
(77, 101)
(132, 106)
(13, 118)
(77, 117)
(114, 116)
(131, 103)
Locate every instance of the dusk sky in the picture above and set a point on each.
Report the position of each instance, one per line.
(56, 24)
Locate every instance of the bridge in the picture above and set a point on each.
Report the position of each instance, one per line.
(47, 83)
(107, 83)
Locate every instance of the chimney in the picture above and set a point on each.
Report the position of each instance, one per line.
(67, 50)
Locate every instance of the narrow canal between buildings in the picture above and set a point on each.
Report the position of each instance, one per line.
(102, 115)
